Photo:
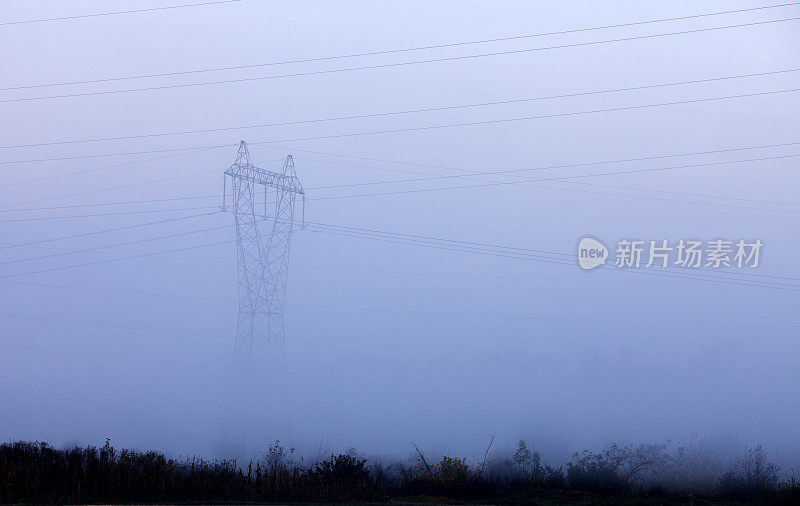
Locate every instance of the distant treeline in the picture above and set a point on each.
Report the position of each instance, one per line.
(39, 473)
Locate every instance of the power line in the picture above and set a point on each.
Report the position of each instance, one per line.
(521, 182)
(95, 215)
(383, 271)
(455, 245)
(131, 185)
(478, 276)
(361, 232)
(427, 127)
(103, 231)
(183, 151)
(528, 118)
(524, 182)
(428, 178)
(659, 199)
(462, 246)
(115, 245)
(390, 65)
(98, 14)
(497, 172)
(696, 276)
(111, 188)
(437, 239)
(105, 189)
(130, 257)
(476, 246)
(701, 195)
(479, 247)
(689, 275)
(101, 204)
(367, 231)
(495, 246)
(402, 112)
(410, 273)
(513, 172)
(402, 50)
(541, 255)
(469, 172)
(103, 155)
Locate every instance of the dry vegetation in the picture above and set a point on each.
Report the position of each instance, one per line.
(38, 473)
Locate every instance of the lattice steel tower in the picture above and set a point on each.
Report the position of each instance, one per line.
(263, 243)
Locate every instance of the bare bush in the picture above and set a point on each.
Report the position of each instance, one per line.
(752, 475)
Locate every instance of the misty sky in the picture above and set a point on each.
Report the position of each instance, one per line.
(389, 343)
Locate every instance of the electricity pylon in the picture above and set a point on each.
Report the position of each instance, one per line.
(263, 248)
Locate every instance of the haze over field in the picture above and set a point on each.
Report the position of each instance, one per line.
(404, 338)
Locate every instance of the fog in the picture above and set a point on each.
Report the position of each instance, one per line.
(386, 342)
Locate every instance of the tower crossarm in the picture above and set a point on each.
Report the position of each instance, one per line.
(264, 177)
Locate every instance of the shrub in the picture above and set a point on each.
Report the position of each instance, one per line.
(528, 463)
(554, 478)
(751, 476)
(451, 471)
(342, 477)
(598, 472)
(37, 473)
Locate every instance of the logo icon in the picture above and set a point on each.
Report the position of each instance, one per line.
(591, 253)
